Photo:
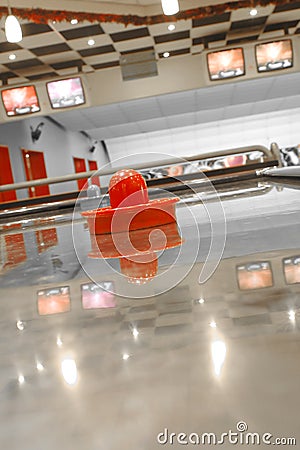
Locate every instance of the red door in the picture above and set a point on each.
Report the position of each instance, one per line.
(79, 164)
(35, 169)
(93, 166)
(6, 176)
(46, 239)
(15, 252)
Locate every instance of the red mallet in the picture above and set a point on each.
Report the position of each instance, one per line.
(130, 207)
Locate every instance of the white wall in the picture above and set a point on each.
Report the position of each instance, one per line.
(59, 147)
(282, 127)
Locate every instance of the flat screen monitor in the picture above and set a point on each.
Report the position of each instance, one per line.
(66, 93)
(54, 300)
(254, 276)
(291, 269)
(20, 100)
(226, 64)
(274, 55)
(95, 296)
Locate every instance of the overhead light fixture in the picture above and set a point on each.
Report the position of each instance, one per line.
(13, 31)
(170, 7)
(91, 42)
(253, 12)
(171, 27)
(74, 21)
(166, 54)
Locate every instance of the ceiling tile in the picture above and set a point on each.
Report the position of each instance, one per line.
(60, 57)
(217, 18)
(21, 55)
(24, 64)
(8, 47)
(162, 28)
(287, 7)
(134, 44)
(175, 36)
(82, 43)
(106, 65)
(76, 33)
(134, 33)
(50, 49)
(281, 25)
(92, 51)
(29, 29)
(41, 39)
(99, 59)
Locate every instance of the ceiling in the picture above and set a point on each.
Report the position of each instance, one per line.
(56, 49)
(59, 49)
(174, 110)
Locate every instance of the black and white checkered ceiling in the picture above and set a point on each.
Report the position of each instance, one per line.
(59, 49)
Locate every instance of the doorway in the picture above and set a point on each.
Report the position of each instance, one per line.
(6, 176)
(94, 166)
(35, 169)
(79, 165)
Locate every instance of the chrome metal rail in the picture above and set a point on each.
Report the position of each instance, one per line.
(270, 154)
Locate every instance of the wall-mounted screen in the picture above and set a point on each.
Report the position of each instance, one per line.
(66, 93)
(254, 276)
(274, 55)
(226, 64)
(20, 100)
(54, 301)
(94, 296)
(291, 269)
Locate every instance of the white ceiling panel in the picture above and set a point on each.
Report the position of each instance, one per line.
(186, 108)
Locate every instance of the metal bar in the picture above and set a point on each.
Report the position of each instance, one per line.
(292, 171)
(101, 172)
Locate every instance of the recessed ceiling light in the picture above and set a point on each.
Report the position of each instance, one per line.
(135, 333)
(12, 57)
(20, 325)
(292, 316)
(21, 379)
(91, 42)
(213, 324)
(54, 22)
(39, 367)
(253, 12)
(74, 21)
(166, 55)
(171, 27)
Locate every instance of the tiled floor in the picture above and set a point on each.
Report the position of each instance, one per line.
(195, 359)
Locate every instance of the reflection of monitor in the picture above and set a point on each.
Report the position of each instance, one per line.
(274, 55)
(54, 300)
(94, 296)
(66, 93)
(254, 276)
(20, 100)
(291, 268)
(226, 64)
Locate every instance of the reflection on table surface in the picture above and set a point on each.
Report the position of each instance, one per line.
(79, 361)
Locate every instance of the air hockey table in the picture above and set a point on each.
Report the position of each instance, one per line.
(95, 357)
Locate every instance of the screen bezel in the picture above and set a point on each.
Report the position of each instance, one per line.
(50, 289)
(284, 273)
(279, 68)
(253, 263)
(18, 87)
(97, 284)
(228, 78)
(70, 106)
